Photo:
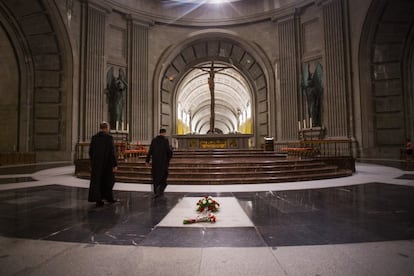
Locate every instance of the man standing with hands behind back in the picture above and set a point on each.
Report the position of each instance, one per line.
(103, 166)
(161, 154)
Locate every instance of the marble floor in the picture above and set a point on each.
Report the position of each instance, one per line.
(357, 225)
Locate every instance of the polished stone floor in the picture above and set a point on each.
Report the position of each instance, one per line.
(349, 214)
(373, 209)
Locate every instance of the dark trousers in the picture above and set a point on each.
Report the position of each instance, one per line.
(160, 182)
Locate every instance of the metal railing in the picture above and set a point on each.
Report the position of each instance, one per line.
(122, 149)
(322, 148)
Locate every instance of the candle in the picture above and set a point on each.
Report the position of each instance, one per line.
(117, 123)
(304, 123)
(122, 126)
(127, 127)
(310, 122)
(299, 125)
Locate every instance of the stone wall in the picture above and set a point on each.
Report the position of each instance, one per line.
(63, 50)
(384, 62)
(9, 104)
(44, 83)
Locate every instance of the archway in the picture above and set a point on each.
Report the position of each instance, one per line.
(222, 49)
(232, 101)
(385, 94)
(44, 60)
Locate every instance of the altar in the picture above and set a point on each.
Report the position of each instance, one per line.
(213, 141)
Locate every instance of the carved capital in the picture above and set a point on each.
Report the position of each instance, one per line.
(99, 5)
(140, 20)
(291, 12)
(285, 15)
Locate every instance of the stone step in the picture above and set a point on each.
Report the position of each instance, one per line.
(222, 154)
(228, 175)
(229, 154)
(239, 180)
(226, 167)
(202, 159)
(237, 162)
(218, 167)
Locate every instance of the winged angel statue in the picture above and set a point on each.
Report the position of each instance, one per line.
(116, 89)
(312, 88)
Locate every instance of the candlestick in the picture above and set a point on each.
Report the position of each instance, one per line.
(310, 122)
(117, 125)
(299, 125)
(127, 127)
(304, 123)
(122, 126)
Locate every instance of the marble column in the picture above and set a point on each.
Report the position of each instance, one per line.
(287, 28)
(335, 72)
(92, 80)
(139, 98)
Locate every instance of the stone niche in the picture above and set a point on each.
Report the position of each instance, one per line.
(9, 94)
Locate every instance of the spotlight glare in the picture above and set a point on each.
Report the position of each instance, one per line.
(204, 1)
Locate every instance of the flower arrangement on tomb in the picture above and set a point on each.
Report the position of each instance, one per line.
(207, 204)
(209, 218)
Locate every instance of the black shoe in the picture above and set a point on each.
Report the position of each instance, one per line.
(157, 195)
(99, 203)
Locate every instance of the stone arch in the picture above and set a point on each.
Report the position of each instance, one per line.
(384, 45)
(44, 57)
(226, 48)
(408, 75)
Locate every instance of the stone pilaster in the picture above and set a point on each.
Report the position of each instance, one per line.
(335, 70)
(288, 55)
(92, 90)
(140, 100)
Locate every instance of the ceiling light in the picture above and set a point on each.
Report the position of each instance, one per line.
(204, 1)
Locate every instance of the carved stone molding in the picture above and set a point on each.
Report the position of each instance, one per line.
(99, 5)
(291, 12)
(139, 20)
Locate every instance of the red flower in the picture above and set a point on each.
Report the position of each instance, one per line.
(207, 203)
(209, 218)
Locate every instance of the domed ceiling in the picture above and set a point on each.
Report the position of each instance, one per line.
(202, 12)
(198, 2)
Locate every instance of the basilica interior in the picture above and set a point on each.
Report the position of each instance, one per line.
(294, 114)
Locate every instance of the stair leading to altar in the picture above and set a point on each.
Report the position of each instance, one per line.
(218, 167)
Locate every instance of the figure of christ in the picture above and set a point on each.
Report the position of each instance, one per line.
(212, 70)
(212, 97)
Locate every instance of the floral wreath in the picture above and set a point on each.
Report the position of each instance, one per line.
(205, 204)
(209, 218)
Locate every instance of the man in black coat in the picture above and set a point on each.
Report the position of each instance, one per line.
(161, 154)
(103, 166)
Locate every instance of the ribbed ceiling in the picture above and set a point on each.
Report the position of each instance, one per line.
(243, 87)
(201, 12)
(232, 98)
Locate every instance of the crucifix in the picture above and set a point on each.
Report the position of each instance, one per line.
(212, 70)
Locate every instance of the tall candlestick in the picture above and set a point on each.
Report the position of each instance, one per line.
(304, 123)
(310, 122)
